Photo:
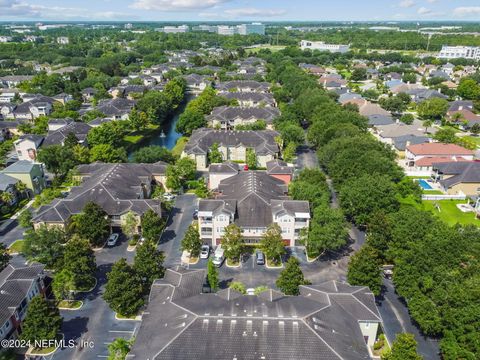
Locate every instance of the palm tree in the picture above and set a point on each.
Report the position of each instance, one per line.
(21, 187)
(427, 123)
(6, 197)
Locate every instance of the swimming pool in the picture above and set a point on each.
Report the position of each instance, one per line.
(424, 184)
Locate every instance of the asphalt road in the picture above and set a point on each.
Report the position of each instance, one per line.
(181, 217)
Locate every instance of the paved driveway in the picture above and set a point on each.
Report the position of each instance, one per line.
(95, 321)
(180, 219)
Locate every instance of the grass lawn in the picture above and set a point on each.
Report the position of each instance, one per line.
(179, 146)
(450, 213)
(70, 304)
(272, 48)
(135, 137)
(432, 192)
(474, 139)
(16, 247)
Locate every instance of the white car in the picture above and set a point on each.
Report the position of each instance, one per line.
(112, 239)
(205, 252)
(169, 196)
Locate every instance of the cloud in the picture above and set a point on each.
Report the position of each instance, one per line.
(424, 11)
(255, 12)
(406, 3)
(175, 5)
(18, 9)
(466, 11)
(432, 1)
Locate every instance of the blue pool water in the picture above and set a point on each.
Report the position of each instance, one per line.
(424, 185)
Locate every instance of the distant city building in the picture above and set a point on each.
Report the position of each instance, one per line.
(128, 26)
(226, 30)
(174, 29)
(455, 52)
(4, 39)
(63, 40)
(320, 45)
(253, 28)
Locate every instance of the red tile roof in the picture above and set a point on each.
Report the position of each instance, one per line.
(438, 149)
(428, 161)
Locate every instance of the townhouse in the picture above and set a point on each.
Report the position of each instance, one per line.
(117, 188)
(233, 145)
(243, 86)
(29, 173)
(253, 200)
(18, 286)
(229, 117)
(251, 99)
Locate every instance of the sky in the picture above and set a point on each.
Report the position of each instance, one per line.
(236, 10)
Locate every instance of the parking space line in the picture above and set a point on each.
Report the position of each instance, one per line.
(121, 331)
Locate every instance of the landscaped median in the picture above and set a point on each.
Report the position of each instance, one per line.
(128, 318)
(45, 351)
(70, 304)
(270, 264)
(16, 247)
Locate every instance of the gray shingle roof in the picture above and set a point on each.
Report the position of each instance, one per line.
(244, 84)
(7, 181)
(230, 113)
(116, 107)
(57, 137)
(20, 167)
(262, 141)
(117, 188)
(14, 285)
(318, 324)
(267, 98)
(461, 171)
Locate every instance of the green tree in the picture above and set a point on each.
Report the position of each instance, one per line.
(403, 348)
(45, 245)
(446, 136)
(152, 154)
(291, 277)
(25, 219)
(62, 285)
(359, 74)
(70, 140)
(148, 264)
(130, 224)
(191, 241)
(138, 120)
(79, 260)
(109, 133)
(328, 231)
(118, 349)
(433, 109)
(272, 243)
(251, 158)
(124, 290)
(42, 322)
(152, 226)
(475, 129)
(232, 242)
(361, 197)
(57, 159)
(469, 89)
(91, 224)
(81, 154)
(289, 152)
(364, 269)
(212, 275)
(214, 155)
(4, 256)
(407, 119)
(238, 286)
(107, 153)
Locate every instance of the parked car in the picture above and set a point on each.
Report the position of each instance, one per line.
(218, 256)
(169, 196)
(195, 214)
(205, 252)
(260, 257)
(112, 239)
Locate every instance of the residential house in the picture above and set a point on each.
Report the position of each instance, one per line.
(197, 83)
(312, 69)
(458, 177)
(253, 200)
(420, 95)
(18, 286)
(55, 124)
(280, 170)
(219, 172)
(243, 86)
(233, 145)
(116, 109)
(465, 118)
(127, 91)
(332, 81)
(57, 137)
(30, 109)
(117, 188)
(12, 81)
(332, 320)
(251, 99)
(88, 94)
(7, 95)
(421, 157)
(229, 117)
(8, 185)
(29, 173)
(387, 133)
(26, 146)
